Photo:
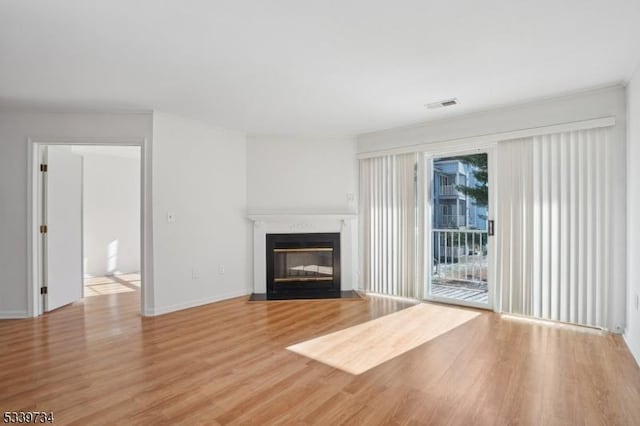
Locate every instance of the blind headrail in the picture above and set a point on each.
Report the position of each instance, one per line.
(483, 141)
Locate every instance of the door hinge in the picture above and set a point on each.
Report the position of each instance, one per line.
(44, 168)
(43, 229)
(44, 290)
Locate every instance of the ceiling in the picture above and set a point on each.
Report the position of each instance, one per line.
(313, 67)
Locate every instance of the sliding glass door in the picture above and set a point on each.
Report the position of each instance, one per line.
(459, 229)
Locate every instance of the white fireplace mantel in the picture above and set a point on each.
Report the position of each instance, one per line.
(298, 223)
(296, 217)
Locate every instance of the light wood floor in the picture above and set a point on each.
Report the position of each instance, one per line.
(98, 361)
(111, 284)
(365, 346)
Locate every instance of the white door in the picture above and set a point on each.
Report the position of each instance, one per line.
(63, 218)
(460, 229)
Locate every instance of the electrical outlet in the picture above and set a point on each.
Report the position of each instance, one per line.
(195, 274)
(351, 197)
(221, 269)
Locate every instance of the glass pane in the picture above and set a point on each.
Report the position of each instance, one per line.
(459, 228)
(304, 264)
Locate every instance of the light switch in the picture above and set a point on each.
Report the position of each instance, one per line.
(171, 217)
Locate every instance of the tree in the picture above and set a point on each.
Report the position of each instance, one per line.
(479, 192)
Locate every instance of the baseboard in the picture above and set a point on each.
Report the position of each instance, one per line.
(193, 303)
(635, 352)
(13, 314)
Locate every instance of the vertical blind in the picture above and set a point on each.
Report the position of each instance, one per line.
(555, 226)
(388, 220)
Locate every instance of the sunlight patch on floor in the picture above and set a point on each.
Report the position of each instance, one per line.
(100, 286)
(364, 346)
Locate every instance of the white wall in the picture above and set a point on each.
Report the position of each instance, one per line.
(302, 174)
(16, 126)
(199, 175)
(576, 107)
(632, 334)
(111, 209)
(308, 175)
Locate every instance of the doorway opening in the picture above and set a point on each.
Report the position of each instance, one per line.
(459, 230)
(88, 224)
(111, 219)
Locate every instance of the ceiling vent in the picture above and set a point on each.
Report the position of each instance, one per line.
(441, 104)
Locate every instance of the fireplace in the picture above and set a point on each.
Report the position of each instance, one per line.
(303, 265)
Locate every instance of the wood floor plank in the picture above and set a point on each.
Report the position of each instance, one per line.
(99, 362)
(364, 346)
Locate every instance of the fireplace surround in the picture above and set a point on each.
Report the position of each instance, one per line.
(342, 224)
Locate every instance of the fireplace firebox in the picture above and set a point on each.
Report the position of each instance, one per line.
(303, 265)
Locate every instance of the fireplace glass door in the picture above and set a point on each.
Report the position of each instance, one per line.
(303, 264)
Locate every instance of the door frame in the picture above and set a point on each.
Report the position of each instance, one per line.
(427, 163)
(34, 214)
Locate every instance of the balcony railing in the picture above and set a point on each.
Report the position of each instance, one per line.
(452, 220)
(460, 257)
(450, 191)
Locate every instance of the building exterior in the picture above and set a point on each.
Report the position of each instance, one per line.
(452, 209)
